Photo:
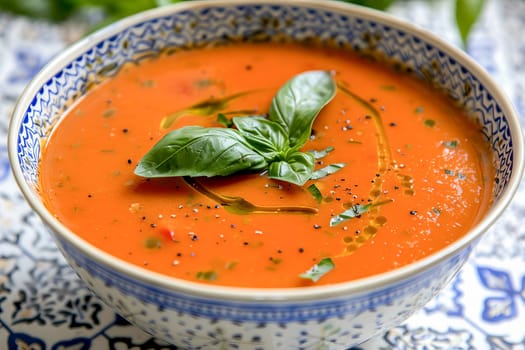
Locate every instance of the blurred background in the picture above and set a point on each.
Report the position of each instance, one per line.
(43, 305)
(97, 13)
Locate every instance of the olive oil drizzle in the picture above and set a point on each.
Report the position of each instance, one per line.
(385, 163)
(241, 206)
(207, 107)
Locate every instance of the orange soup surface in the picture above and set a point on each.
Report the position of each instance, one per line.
(416, 174)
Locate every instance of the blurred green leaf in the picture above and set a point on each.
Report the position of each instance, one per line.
(467, 13)
(376, 4)
(54, 10)
(60, 10)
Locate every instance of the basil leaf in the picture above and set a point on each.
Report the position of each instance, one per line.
(296, 168)
(327, 170)
(352, 212)
(322, 153)
(319, 270)
(298, 102)
(267, 137)
(198, 151)
(467, 13)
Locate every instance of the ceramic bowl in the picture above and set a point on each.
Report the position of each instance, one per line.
(196, 316)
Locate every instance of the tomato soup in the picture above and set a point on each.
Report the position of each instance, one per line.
(403, 171)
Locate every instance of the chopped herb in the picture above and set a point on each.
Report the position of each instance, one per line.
(314, 191)
(152, 243)
(276, 261)
(206, 275)
(457, 174)
(430, 123)
(224, 120)
(108, 113)
(318, 270)
(353, 212)
(322, 153)
(451, 144)
(327, 170)
(419, 110)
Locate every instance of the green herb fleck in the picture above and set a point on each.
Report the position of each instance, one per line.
(108, 113)
(353, 212)
(276, 261)
(314, 191)
(451, 143)
(152, 243)
(419, 110)
(322, 153)
(430, 123)
(457, 174)
(224, 120)
(206, 275)
(318, 270)
(327, 170)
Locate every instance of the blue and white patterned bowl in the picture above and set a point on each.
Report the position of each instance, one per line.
(196, 316)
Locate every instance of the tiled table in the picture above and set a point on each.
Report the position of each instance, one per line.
(43, 305)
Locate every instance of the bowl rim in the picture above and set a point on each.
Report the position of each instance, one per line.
(247, 294)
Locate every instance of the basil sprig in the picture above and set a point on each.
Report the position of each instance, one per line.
(256, 143)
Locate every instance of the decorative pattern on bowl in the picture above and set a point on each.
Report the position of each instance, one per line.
(190, 316)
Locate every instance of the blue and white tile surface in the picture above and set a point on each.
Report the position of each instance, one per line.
(43, 305)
